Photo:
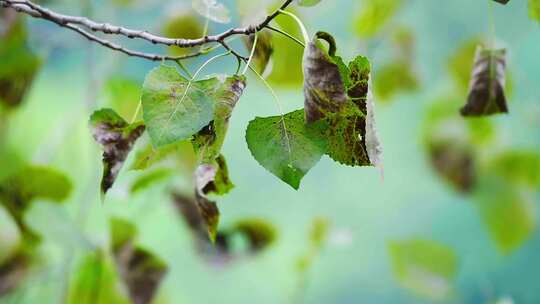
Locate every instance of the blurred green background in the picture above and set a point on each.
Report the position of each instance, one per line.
(410, 237)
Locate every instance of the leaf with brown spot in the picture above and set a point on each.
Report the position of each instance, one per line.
(486, 89)
(117, 137)
(140, 269)
(341, 95)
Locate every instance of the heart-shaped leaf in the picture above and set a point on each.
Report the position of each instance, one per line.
(117, 137)
(285, 145)
(175, 108)
(486, 91)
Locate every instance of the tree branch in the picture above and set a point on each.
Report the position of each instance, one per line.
(37, 11)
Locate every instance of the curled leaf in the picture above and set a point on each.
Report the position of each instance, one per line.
(201, 215)
(117, 137)
(340, 95)
(213, 10)
(285, 145)
(486, 90)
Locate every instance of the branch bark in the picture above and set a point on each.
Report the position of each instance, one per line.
(81, 25)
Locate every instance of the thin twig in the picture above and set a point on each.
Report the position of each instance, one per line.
(154, 57)
(38, 11)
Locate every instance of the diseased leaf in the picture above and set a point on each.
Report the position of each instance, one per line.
(425, 267)
(10, 237)
(209, 140)
(508, 213)
(213, 10)
(18, 63)
(263, 50)
(141, 270)
(455, 163)
(213, 178)
(285, 145)
(259, 233)
(341, 96)
(182, 24)
(122, 232)
(13, 271)
(174, 108)
(374, 15)
(486, 92)
(95, 273)
(201, 215)
(460, 63)
(117, 137)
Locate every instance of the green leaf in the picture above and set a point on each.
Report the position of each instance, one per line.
(374, 15)
(508, 213)
(308, 2)
(117, 137)
(285, 145)
(18, 63)
(123, 95)
(425, 267)
(95, 282)
(213, 10)
(30, 183)
(146, 180)
(486, 93)
(179, 153)
(520, 167)
(341, 96)
(263, 50)
(534, 9)
(286, 70)
(394, 78)
(182, 24)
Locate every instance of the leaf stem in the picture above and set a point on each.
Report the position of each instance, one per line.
(276, 98)
(251, 54)
(137, 110)
(183, 67)
(300, 24)
(286, 34)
